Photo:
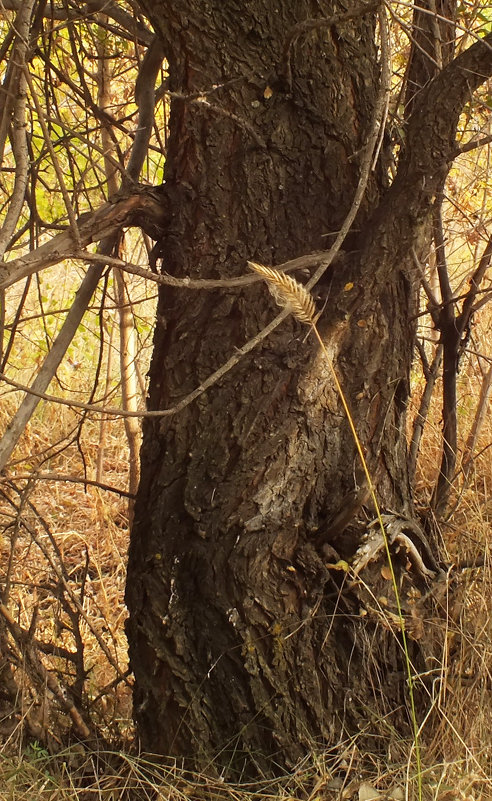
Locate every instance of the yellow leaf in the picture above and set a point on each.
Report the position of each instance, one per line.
(268, 93)
(340, 565)
(348, 286)
(386, 573)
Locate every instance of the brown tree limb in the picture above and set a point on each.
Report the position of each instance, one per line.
(472, 145)
(430, 145)
(14, 114)
(450, 339)
(423, 410)
(19, 33)
(452, 328)
(145, 100)
(128, 23)
(146, 207)
(432, 45)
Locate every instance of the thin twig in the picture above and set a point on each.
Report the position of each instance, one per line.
(301, 263)
(87, 482)
(54, 160)
(19, 135)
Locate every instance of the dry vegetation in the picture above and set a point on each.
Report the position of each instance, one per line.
(64, 511)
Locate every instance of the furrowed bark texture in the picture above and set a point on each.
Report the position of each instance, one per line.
(239, 639)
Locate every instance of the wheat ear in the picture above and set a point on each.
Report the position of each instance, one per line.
(292, 295)
(288, 293)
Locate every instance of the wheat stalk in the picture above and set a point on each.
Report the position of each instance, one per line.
(288, 293)
(293, 296)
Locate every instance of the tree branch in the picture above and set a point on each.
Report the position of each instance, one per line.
(126, 21)
(427, 154)
(19, 134)
(145, 100)
(431, 147)
(146, 208)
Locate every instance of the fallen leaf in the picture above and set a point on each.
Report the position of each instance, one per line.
(367, 792)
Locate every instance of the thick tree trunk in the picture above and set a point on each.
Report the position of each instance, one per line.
(242, 640)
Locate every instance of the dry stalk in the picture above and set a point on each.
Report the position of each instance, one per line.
(295, 298)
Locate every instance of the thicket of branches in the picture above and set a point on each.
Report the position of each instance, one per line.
(83, 120)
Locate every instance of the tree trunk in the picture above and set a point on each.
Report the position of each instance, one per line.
(243, 642)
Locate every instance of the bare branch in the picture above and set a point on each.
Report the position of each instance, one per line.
(87, 482)
(301, 263)
(19, 136)
(142, 205)
(145, 100)
(50, 364)
(128, 23)
(472, 145)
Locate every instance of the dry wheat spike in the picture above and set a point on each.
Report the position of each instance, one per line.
(288, 293)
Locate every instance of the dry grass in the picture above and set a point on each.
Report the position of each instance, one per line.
(63, 543)
(110, 776)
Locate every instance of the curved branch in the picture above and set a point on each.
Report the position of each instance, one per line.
(128, 23)
(431, 138)
(428, 152)
(145, 100)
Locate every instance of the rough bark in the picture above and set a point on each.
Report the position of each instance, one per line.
(240, 639)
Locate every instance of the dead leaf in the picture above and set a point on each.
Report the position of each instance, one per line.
(367, 792)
